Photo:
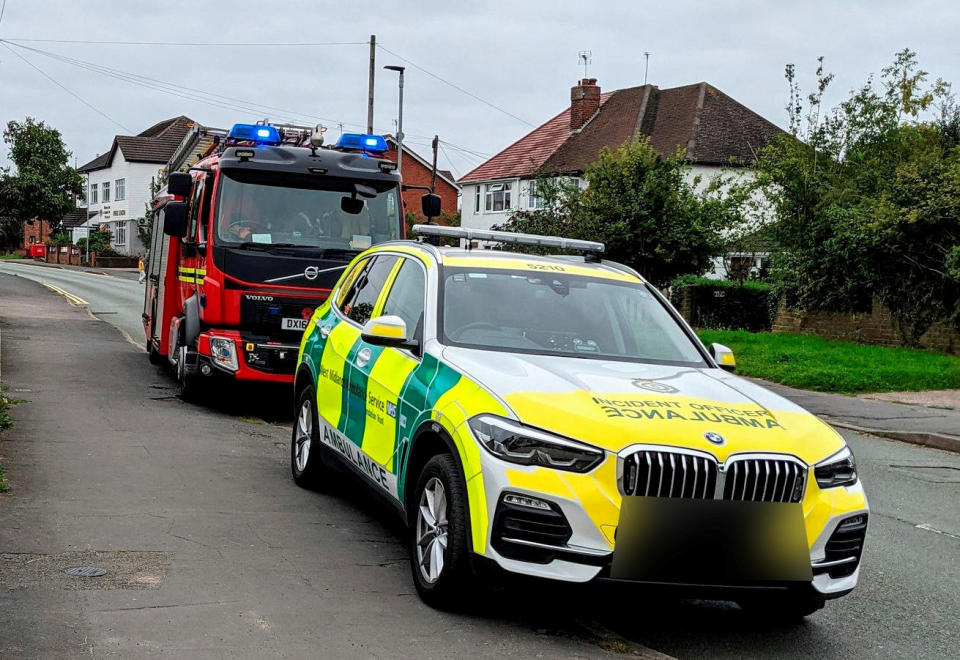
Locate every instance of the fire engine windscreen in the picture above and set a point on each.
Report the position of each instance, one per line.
(263, 208)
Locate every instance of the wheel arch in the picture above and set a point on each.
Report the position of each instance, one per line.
(428, 441)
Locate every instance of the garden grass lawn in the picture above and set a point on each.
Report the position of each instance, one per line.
(827, 365)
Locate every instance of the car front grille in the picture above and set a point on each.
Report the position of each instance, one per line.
(843, 549)
(665, 473)
(529, 534)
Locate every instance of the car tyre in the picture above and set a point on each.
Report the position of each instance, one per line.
(438, 529)
(306, 461)
(783, 608)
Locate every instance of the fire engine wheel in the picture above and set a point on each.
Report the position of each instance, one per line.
(306, 462)
(186, 382)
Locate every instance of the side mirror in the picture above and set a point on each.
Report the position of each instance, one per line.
(430, 205)
(723, 356)
(387, 331)
(178, 183)
(175, 219)
(351, 205)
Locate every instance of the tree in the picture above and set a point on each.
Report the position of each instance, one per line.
(867, 198)
(41, 185)
(641, 206)
(145, 224)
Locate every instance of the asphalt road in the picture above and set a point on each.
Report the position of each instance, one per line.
(212, 551)
(117, 300)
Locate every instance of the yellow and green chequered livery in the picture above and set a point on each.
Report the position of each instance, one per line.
(555, 417)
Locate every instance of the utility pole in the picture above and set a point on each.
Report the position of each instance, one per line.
(433, 176)
(373, 64)
(400, 70)
(646, 65)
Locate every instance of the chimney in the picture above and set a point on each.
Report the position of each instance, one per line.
(584, 102)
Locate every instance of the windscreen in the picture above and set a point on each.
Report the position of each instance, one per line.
(260, 209)
(560, 314)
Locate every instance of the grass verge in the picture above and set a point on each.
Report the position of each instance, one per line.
(827, 365)
(12, 255)
(6, 421)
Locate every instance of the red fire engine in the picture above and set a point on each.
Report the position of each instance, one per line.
(252, 238)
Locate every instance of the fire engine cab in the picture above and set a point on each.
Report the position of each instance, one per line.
(252, 238)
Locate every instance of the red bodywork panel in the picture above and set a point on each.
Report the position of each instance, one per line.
(186, 275)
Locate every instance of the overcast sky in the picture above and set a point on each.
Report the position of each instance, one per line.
(519, 56)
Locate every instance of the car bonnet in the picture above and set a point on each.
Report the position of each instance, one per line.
(616, 404)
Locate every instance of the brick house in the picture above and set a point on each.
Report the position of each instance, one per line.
(40, 231)
(417, 172)
(715, 131)
(118, 181)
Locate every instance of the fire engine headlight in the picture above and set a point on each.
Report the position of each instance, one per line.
(837, 470)
(524, 445)
(224, 353)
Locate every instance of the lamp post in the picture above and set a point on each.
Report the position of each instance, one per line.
(399, 69)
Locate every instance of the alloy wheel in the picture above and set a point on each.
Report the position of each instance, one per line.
(304, 436)
(432, 530)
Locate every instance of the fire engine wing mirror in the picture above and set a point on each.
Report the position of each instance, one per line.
(179, 184)
(175, 219)
(387, 331)
(351, 205)
(430, 205)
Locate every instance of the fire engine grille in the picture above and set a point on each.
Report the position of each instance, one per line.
(265, 313)
(664, 473)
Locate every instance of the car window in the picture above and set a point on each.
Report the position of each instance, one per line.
(406, 297)
(347, 287)
(554, 314)
(358, 304)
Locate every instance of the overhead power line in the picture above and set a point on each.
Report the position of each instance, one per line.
(64, 88)
(247, 44)
(455, 86)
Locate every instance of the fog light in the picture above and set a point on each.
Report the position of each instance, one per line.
(524, 500)
(206, 370)
(224, 353)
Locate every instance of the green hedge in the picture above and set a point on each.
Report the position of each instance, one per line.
(728, 305)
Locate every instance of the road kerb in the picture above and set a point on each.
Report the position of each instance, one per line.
(942, 441)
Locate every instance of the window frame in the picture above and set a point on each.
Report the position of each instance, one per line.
(360, 272)
(93, 194)
(105, 192)
(121, 233)
(490, 191)
(120, 190)
(385, 295)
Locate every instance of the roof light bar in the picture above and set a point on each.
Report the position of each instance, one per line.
(260, 133)
(508, 237)
(362, 142)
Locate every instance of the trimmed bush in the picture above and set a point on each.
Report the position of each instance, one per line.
(724, 304)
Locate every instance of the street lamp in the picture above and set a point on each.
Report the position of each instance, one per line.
(399, 69)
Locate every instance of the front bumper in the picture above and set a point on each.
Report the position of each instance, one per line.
(258, 357)
(589, 504)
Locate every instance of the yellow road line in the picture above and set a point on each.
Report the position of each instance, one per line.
(74, 300)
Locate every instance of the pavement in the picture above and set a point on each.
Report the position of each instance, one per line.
(891, 415)
(212, 551)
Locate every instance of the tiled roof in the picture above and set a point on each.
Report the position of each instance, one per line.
(712, 127)
(154, 145)
(74, 218)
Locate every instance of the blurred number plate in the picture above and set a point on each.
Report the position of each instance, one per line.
(711, 542)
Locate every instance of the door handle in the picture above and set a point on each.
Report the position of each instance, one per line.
(363, 356)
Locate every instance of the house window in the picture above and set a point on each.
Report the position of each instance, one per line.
(534, 192)
(497, 196)
(33, 239)
(119, 191)
(93, 193)
(476, 199)
(106, 192)
(120, 236)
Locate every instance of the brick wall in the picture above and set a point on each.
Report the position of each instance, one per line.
(38, 232)
(877, 327)
(64, 255)
(415, 174)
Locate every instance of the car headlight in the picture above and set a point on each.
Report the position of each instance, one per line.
(837, 470)
(524, 445)
(224, 353)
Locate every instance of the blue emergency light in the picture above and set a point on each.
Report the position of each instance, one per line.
(255, 133)
(371, 143)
